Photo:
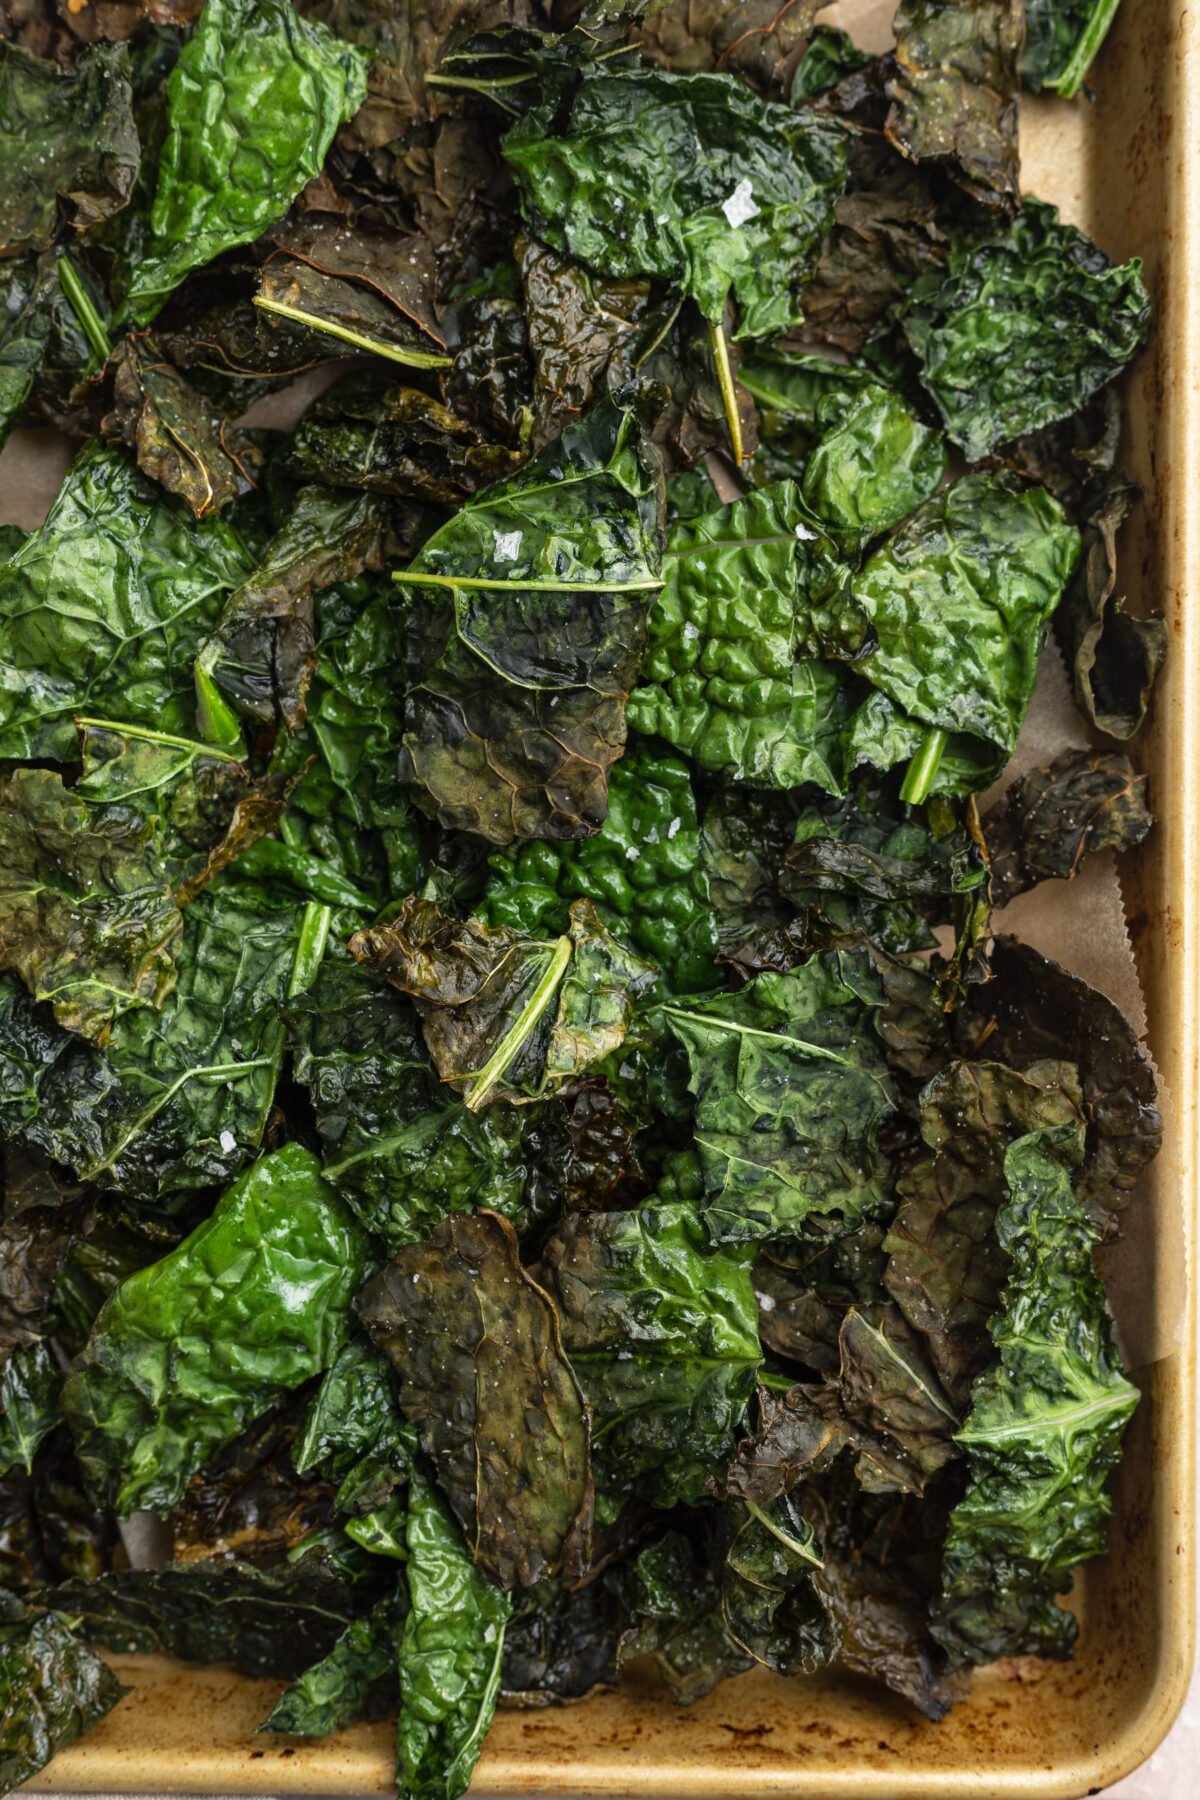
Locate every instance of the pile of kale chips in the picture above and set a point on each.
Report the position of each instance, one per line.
(520, 1143)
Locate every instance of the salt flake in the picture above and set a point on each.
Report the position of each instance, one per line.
(741, 204)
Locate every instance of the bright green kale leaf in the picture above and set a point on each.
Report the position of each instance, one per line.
(67, 141)
(661, 1329)
(450, 1655)
(958, 598)
(746, 588)
(353, 1431)
(355, 1680)
(769, 1604)
(828, 56)
(527, 639)
(791, 1089)
(1062, 37)
(873, 463)
(641, 870)
(687, 177)
(1021, 326)
(266, 1622)
(1045, 1424)
(397, 1144)
(476, 1348)
(879, 734)
(178, 1098)
(187, 1353)
(954, 91)
(53, 1688)
(509, 1017)
(675, 1620)
(103, 607)
(253, 104)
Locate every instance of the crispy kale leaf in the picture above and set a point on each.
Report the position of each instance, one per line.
(253, 104)
(68, 143)
(357, 1679)
(52, 1688)
(1045, 1424)
(958, 598)
(103, 607)
(187, 1353)
(451, 1652)
(523, 647)
(954, 91)
(661, 1329)
(509, 1017)
(688, 177)
(791, 1090)
(1021, 327)
(1052, 818)
(1062, 37)
(676, 1621)
(177, 1099)
(746, 587)
(641, 870)
(476, 1346)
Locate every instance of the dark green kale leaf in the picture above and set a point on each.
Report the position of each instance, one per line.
(396, 1143)
(1051, 819)
(743, 840)
(30, 1390)
(1062, 38)
(103, 607)
(806, 1286)
(263, 653)
(641, 870)
(1045, 1424)
(355, 1680)
(871, 863)
(505, 1016)
(1031, 1010)
(389, 438)
(68, 143)
(747, 587)
(355, 1434)
(561, 1643)
(1021, 327)
(1114, 655)
(829, 55)
(945, 1264)
(369, 290)
(661, 1330)
(688, 177)
(53, 1688)
(31, 304)
(873, 463)
(791, 1090)
(253, 105)
(178, 1098)
(958, 598)
(179, 437)
(42, 1224)
(769, 1603)
(676, 1621)
(525, 643)
(187, 1353)
(476, 1347)
(954, 91)
(266, 1622)
(451, 1652)
(582, 330)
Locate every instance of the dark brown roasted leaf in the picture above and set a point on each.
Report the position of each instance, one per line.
(582, 328)
(249, 1502)
(482, 1374)
(954, 92)
(882, 235)
(761, 40)
(1052, 818)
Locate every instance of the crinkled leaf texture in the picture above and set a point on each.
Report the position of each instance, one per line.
(959, 597)
(397, 1144)
(450, 1655)
(791, 1089)
(53, 1688)
(68, 143)
(661, 1329)
(1045, 1424)
(518, 676)
(508, 1017)
(954, 91)
(1021, 326)
(689, 177)
(356, 1680)
(676, 1621)
(252, 107)
(476, 1346)
(103, 607)
(746, 587)
(177, 1099)
(641, 870)
(188, 1352)
(1046, 823)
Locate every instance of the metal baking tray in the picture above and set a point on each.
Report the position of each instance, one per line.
(1128, 171)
